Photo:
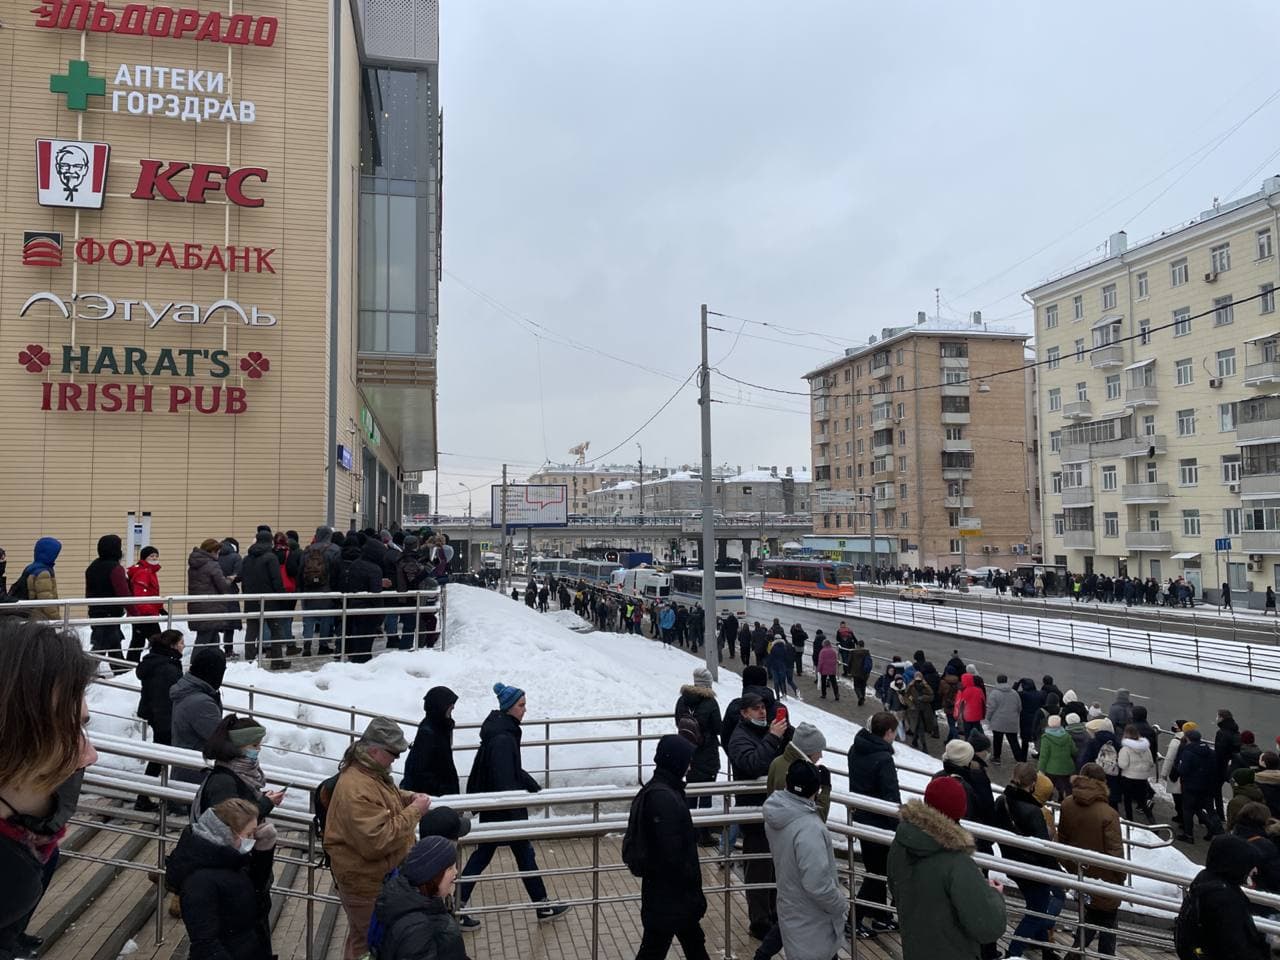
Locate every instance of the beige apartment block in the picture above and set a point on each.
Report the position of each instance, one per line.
(583, 479)
(933, 425)
(1159, 398)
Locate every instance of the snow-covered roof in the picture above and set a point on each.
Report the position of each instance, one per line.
(679, 476)
(936, 326)
(799, 474)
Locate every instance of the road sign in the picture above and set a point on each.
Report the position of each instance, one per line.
(970, 523)
(970, 532)
(531, 505)
(1223, 544)
(835, 498)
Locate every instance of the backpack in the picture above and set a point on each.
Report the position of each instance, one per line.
(18, 591)
(321, 797)
(1108, 759)
(315, 571)
(409, 572)
(635, 843)
(1188, 933)
(687, 724)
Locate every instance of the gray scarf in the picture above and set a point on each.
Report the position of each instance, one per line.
(249, 771)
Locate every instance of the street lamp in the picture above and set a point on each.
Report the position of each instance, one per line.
(641, 449)
(470, 537)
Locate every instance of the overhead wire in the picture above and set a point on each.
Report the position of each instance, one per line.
(653, 417)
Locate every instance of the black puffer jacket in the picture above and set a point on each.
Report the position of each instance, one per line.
(226, 894)
(701, 702)
(260, 573)
(1021, 813)
(671, 895)
(497, 765)
(222, 783)
(429, 767)
(872, 772)
(159, 670)
(751, 750)
(416, 927)
(1227, 930)
(364, 574)
(104, 577)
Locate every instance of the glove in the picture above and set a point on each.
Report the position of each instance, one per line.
(824, 777)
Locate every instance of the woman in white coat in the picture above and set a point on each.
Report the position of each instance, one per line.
(1136, 770)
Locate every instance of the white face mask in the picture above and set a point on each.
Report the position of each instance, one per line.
(246, 845)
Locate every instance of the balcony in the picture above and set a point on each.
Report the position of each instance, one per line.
(1077, 410)
(821, 436)
(1262, 374)
(1159, 541)
(821, 388)
(955, 419)
(1111, 355)
(1077, 496)
(881, 421)
(1144, 493)
(886, 502)
(957, 473)
(1256, 486)
(1141, 396)
(882, 450)
(1078, 539)
(1129, 447)
(955, 363)
(821, 461)
(820, 484)
(955, 389)
(958, 503)
(957, 446)
(881, 370)
(1260, 541)
(1257, 430)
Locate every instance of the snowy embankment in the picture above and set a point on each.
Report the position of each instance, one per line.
(490, 638)
(1252, 664)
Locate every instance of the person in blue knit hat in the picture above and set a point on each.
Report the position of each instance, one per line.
(497, 769)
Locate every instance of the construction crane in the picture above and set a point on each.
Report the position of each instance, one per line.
(580, 451)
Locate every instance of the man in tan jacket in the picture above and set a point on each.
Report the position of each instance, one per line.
(370, 826)
(1088, 821)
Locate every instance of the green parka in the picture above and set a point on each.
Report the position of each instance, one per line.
(1057, 752)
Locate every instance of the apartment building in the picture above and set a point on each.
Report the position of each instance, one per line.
(755, 492)
(926, 427)
(582, 480)
(1160, 416)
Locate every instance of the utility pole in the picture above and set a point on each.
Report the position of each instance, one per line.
(502, 555)
(470, 530)
(708, 516)
(875, 561)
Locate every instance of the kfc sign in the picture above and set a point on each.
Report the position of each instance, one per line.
(71, 173)
(157, 182)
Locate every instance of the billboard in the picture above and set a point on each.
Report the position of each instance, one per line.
(531, 505)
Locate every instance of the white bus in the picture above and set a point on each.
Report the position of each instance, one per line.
(642, 583)
(686, 588)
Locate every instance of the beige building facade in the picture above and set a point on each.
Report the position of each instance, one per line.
(918, 427)
(1160, 415)
(219, 247)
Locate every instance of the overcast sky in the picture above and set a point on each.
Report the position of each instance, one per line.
(819, 166)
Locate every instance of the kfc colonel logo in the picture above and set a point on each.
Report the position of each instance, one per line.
(71, 173)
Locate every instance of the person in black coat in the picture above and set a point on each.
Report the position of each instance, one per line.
(1018, 811)
(159, 670)
(497, 768)
(872, 772)
(754, 680)
(364, 575)
(416, 922)
(429, 768)
(1226, 929)
(671, 900)
(729, 635)
(698, 701)
(1198, 773)
(1226, 744)
(224, 884)
(260, 573)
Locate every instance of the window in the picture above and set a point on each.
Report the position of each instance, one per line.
(1191, 523)
(900, 383)
(1055, 481)
(1077, 308)
(846, 424)
(1263, 237)
(1052, 355)
(1055, 399)
(1055, 441)
(1144, 332)
(1220, 258)
(1183, 373)
(837, 472)
(860, 471)
(901, 357)
(1222, 311)
(1231, 468)
(1113, 386)
(1051, 316)
(1059, 524)
(954, 546)
(1182, 321)
(1153, 521)
(1226, 417)
(1109, 297)
(1227, 362)
(902, 521)
(1267, 302)
(1072, 475)
(1109, 478)
(1188, 472)
(953, 518)
(902, 490)
(838, 521)
(826, 521)
(1143, 286)
(1079, 350)
(1152, 472)
(1178, 272)
(860, 448)
(1082, 391)
(902, 410)
(1186, 423)
(1111, 524)
(848, 374)
(954, 376)
(1143, 376)
(902, 439)
(954, 433)
(858, 421)
(848, 448)
(1231, 522)
(1149, 425)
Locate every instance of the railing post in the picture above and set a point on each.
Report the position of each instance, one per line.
(595, 884)
(163, 826)
(262, 625)
(1248, 652)
(727, 847)
(311, 891)
(546, 761)
(1071, 626)
(1108, 641)
(352, 711)
(417, 616)
(342, 649)
(639, 749)
(851, 919)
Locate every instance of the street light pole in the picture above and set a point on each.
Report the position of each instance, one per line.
(470, 532)
(708, 515)
(641, 449)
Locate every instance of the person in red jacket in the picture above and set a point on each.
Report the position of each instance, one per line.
(144, 581)
(971, 704)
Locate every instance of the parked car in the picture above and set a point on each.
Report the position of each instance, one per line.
(921, 594)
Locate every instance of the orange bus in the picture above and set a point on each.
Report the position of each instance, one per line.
(810, 578)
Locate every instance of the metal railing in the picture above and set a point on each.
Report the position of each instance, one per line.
(1051, 629)
(607, 815)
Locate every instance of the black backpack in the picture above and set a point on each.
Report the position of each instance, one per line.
(17, 592)
(635, 842)
(1188, 932)
(315, 570)
(321, 797)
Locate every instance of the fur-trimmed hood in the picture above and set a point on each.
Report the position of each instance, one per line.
(705, 693)
(924, 831)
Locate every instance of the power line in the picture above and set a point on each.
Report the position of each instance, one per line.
(635, 432)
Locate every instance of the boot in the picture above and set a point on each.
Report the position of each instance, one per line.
(175, 907)
(145, 805)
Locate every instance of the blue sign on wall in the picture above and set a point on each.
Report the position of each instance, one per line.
(345, 457)
(1223, 544)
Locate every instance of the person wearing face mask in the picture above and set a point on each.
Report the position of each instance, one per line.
(43, 752)
(370, 826)
(234, 747)
(224, 880)
(411, 909)
(144, 581)
(105, 578)
(159, 670)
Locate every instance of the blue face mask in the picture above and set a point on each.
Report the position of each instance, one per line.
(251, 754)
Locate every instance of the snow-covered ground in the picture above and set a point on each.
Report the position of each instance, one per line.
(1246, 663)
(490, 638)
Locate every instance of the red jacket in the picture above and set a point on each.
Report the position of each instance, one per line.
(971, 702)
(827, 661)
(144, 582)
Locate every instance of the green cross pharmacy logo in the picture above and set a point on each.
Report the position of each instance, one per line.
(77, 85)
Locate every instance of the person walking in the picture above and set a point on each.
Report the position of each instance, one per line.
(827, 663)
(1136, 769)
(497, 768)
(205, 577)
(1197, 771)
(106, 578)
(1088, 821)
(921, 720)
(1226, 745)
(1226, 596)
(370, 826)
(1221, 923)
(970, 704)
(411, 908)
(671, 901)
(429, 768)
(230, 562)
(158, 671)
(798, 639)
(1269, 604)
(845, 641)
(946, 908)
(1004, 715)
(196, 707)
(1057, 756)
(812, 907)
(862, 667)
(1018, 811)
(778, 662)
(729, 634)
(144, 581)
(697, 710)
(872, 773)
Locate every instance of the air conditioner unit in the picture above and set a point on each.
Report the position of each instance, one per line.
(995, 548)
(1211, 276)
(986, 548)
(1254, 567)
(1233, 487)
(1215, 382)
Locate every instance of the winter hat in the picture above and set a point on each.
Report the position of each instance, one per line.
(210, 545)
(958, 752)
(1095, 712)
(808, 739)
(1072, 718)
(1055, 721)
(243, 736)
(1193, 736)
(978, 740)
(802, 779)
(264, 536)
(1188, 725)
(1246, 737)
(1099, 724)
(1069, 696)
(264, 528)
(702, 677)
(385, 733)
(1043, 789)
(1243, 776)
(674, 754)
(147, 552)
(508, 697)
(754, 676)
(899, 685)
(428, 859)
(209, 664)
(947, 796)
